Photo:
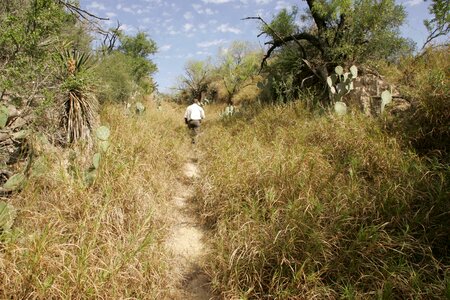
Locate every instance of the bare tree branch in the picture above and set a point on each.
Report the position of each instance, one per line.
(80, 12)
(280, 41)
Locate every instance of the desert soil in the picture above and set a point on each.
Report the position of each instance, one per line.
(187, 243)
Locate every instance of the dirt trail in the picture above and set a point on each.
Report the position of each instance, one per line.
(186, 244)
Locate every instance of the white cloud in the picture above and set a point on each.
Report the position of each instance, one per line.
(262, 2)
(165, 48)
(203, 53)
(96, 5)
(211, 43)
(128, 29)
(282, 5)
(413, 2)
(188, 27)
(188, 15)
(216, 1)
(203, 11)
(228, 28)
(111, 14)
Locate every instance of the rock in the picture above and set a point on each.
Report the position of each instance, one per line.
(19, 122)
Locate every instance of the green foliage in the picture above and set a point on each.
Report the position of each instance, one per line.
(282, 25)
(128, 69)
(30, 31)
(198, 75)
(139, 48)
(115, 74)
(339, 32)
(424, 81)
(439, 25)
(238, 65)
(80, 105)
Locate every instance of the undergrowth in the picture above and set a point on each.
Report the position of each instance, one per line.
(72, 240)
(304, 206)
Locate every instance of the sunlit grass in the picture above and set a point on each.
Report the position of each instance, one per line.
(104, 241)
(305, 206)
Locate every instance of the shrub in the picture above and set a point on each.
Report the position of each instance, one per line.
(116, 80)
(425, 81)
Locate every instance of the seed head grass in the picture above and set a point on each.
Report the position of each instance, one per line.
(73, 240)
(319, 207)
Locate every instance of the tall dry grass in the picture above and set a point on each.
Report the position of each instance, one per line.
(74, 241)
(319, 207)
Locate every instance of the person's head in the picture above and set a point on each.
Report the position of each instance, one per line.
(196, 101)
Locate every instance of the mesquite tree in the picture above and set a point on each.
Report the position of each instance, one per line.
(336, 32)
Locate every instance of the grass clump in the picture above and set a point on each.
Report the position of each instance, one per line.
(305, 206)
(76, 241)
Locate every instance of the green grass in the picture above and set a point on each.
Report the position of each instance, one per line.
(75, 241)
(305, 206)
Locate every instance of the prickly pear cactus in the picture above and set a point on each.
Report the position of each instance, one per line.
(4, 114)
(140, 108)
(104, 145)
(15, 182)
(7, 216)
(103, 133)
(341, 83)
(386, 98)
(229, 111)
(96, 160)
(340, 108)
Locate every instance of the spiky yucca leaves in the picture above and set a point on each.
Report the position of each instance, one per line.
(80, 105)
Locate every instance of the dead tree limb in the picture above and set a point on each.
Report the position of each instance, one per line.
(280, 41)
(84, 14)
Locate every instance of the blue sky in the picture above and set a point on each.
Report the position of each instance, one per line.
(197, 29)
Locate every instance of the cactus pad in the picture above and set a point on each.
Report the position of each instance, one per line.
(339, 70)
(7, 216)
(103, 133)
(340, 108)
(96, 160)
(4, 114)
(15, 182)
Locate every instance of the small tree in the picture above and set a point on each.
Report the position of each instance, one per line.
(439, 25)
(238, 66)
(338, 32)
(139, 48)
(197, 77)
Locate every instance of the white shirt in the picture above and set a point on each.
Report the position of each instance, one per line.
(194, 112)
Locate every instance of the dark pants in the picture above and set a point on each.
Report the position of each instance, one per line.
(194, 126)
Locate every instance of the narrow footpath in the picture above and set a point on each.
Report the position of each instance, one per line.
(187, 243)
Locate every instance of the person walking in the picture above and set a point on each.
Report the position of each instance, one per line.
(193, 118)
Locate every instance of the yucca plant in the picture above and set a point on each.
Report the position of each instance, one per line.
(80, 105)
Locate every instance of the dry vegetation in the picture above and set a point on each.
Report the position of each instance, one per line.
(305, 206)
(74, 241)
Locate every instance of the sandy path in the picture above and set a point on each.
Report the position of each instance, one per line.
(186, 244)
